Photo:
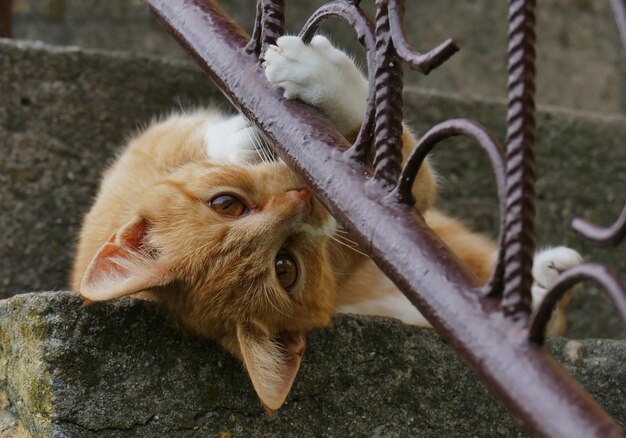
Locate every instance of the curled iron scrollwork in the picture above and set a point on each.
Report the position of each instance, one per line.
(609, 236)
(399, 242)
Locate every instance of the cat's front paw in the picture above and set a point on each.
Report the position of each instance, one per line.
(320, 75)
(547, 266)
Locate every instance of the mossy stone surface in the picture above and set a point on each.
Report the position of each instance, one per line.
(118, 369)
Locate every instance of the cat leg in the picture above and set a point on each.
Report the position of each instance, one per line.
(320, 75)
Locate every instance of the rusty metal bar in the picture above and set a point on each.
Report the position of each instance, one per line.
(522, 374)
(520, 157)
(388, 100)
(269, 24)
(6, 18)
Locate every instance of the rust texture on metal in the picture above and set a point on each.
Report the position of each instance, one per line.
(387, 101)
(380, 216)
(6, 18)
(269, 24)
(519, 244)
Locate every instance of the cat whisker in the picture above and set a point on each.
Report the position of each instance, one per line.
(180, 104)
(340, 230)
(268, 296)
(266, 150)
(257, 147)
(262, 144)
(249, 133)
(346, 239)
(331, 306)
(334, 238)
(340, 273)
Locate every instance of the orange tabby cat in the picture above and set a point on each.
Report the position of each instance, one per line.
(195, 216)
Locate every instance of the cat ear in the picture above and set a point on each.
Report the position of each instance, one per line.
(272, 362)
(123, 265)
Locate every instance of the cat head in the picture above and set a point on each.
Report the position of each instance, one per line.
(236, 254)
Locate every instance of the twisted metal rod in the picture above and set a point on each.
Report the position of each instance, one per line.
(254, 45)
(520, 175)
(269, 25)
(388, 100)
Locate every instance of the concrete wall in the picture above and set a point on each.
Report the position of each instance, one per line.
(581, 61)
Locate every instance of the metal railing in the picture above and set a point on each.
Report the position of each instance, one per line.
(6, 18)
(495, 335)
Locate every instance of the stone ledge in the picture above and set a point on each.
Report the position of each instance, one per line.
(118, 369)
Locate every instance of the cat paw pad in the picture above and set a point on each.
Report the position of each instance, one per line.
(547, 266)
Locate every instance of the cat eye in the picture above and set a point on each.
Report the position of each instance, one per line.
(286, 269)
(229, 206)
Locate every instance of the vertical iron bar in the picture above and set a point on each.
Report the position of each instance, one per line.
(520, 156)
(388, 100)
(254, 45)
(272, 22)
(6, 18)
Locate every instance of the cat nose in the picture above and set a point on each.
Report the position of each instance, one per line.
(302, 196)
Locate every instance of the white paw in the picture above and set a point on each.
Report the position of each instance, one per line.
(547, 266)
(233, 141)
(320, 75)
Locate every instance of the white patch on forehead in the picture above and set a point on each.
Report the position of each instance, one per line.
(231, 141)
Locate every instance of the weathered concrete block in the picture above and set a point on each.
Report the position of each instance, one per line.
(65, 112)
(118, 369)
(63, 115)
